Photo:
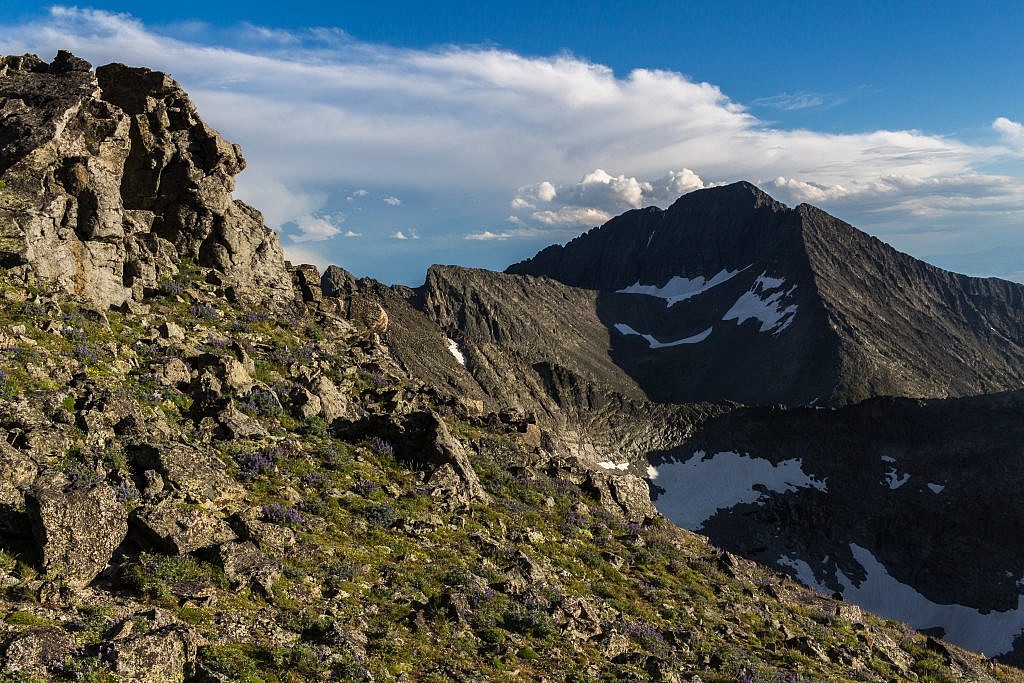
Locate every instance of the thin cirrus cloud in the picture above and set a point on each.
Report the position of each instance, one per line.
(566, 141)
(798, 101)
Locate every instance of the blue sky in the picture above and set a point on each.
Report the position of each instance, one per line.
(388, 136)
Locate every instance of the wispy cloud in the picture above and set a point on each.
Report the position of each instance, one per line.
(798, 100)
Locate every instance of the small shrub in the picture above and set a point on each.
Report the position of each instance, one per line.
(281, 514)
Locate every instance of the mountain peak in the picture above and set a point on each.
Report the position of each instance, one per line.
(728, 281)
(740, 193)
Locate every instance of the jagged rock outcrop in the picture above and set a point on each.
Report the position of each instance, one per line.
(111, 180)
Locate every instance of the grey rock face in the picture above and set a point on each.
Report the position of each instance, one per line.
(535, 347)
(112, 178)
(76, 530)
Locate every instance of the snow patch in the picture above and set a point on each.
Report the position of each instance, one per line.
(652, 342)
(680, 288)
(609, 465)
(936, 488)
(894, 480)
(888, 458)
(652, 472)
(992, 633)
(699, 487)
(453, 348)
(763, 301)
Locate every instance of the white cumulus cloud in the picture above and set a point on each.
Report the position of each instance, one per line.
(316, 228)
(1011, 131)
(595, 198)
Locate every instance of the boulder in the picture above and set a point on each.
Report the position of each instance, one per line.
(244, 564)
(171, 331)
(174, 373)
(194, 474)
(17, 472)
(333, 403)
(633, 496)
(165, 654)
(302, 403)
(367, 314)
(38, 651)
(251, 527)
(77, 530)
(450, 456)
(178, 529)
(234, 424)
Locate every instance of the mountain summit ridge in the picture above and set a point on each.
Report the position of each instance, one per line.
(864, 303)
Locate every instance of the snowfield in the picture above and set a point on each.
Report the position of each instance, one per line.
(699, 487)
(453, 348)
(763, 301)
(992, 633)
(681, 288)
(653, 343)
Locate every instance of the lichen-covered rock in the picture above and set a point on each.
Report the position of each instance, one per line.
(173, 373)
(243, 563)
(76, 530)
(179, 529)
(17, 471)
(162, 655)
(633, 496)
(36, 652)
(193, 473)
(367, 314)
(334, 403)
(263, 534)
(234, 424)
